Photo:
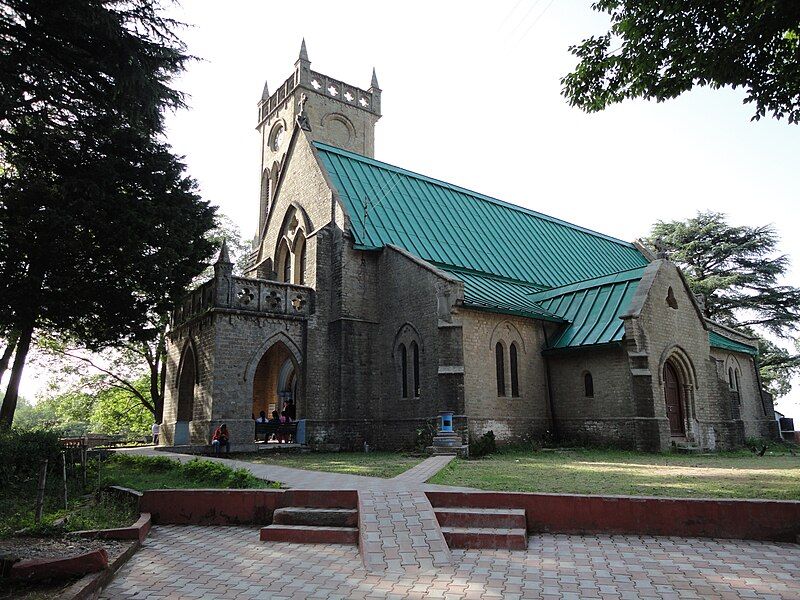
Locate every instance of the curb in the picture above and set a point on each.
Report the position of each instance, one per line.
(88, 585)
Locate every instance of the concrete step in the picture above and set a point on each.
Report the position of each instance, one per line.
(510, 518)
(486, 538)
(318, 517)
(307, 534)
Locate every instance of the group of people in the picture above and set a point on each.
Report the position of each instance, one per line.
(221, 437)
(286, 416)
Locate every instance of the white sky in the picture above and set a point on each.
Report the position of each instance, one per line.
(471, 95)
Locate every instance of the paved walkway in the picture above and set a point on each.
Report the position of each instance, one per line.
(414, 478)
(229, 562)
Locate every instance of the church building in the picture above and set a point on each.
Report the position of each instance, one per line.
(376, 297)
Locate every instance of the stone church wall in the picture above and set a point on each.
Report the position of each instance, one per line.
(511, 419)
(668, 326)
(751, 406)
(606, 418)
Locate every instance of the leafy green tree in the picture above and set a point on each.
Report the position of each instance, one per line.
(659, 50)
(100, 228)
(118, 411)
(734, 271)
(125, 365)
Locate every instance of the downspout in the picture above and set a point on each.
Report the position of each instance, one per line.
(550, 400)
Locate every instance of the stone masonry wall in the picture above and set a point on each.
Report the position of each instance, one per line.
(511, 419)
(606, 418)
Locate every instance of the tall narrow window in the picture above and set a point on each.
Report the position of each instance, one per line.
(736, 380)
(302, 273)
(588, 385)
(404, 370)
(514, 375)
(501, 369)
(731, 383)
(287, 268)
(415, 359)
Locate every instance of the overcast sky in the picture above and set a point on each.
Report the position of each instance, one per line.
(471, 95)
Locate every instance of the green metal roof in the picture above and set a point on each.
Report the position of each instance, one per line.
(717, 340)
(591, 307)
(495, 294)
(449, 225)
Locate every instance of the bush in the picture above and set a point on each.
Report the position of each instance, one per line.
(21, 452)
(150, 464)
(483, 446)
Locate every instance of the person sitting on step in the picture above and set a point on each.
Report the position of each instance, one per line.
(220, 438)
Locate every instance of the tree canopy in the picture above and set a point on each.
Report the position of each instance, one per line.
(100, 227)
(659, 50)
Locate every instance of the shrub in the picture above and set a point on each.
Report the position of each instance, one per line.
(483, 446)
(150, 464)
(21, 452)
(207, 471)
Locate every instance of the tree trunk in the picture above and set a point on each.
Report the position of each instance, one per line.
(12, 392)
(7, 354)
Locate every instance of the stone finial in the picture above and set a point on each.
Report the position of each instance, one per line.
(374, 83)
(303, 51)
(265, 92)
(224, 256)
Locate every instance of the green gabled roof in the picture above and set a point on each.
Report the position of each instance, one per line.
(495, 294)
(449, 225)
(717, 340)
(591, 307)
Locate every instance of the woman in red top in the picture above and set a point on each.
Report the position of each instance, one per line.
(220, 438)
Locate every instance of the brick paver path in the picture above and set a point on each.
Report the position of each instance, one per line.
(230, 562)
(398, 531)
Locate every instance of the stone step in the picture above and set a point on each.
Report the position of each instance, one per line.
(511, 518)
(307, 534)
(319, 517)
(486, 538)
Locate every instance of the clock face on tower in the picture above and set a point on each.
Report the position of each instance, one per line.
(277, 137)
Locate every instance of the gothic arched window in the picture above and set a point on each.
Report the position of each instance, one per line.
(404, 370)
(501, 369)
(588, 385)
(415, 361)
(303, 265)
(514, 373)
(731, 380)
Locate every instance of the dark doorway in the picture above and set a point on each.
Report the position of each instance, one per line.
(674, 402)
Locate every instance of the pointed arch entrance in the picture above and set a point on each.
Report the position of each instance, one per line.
(276, 382)
(187, 379)
(673, 398)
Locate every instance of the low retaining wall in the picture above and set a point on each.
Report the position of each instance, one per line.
(775, 520)
(235, 507)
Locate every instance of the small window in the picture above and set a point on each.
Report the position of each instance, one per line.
(501, 369)
(588, 385)
(736, 380)
(404, 370)
(415, 360)
(514, 375)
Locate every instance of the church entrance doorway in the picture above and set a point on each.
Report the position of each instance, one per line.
(186, 383)
(674, 401)
(276, 383)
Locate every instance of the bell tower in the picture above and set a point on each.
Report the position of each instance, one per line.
(330, 110)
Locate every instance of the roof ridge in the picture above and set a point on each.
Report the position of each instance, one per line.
(586, 284)
(360, 157)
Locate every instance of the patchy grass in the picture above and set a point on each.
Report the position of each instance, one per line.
(153, 473)
(373, 464)
(609, 472)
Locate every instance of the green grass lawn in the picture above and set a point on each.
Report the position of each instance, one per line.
(374, 464)
(153, 473)
(89, 509)
(609, 472)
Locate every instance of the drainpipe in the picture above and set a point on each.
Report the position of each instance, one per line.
(550, 401)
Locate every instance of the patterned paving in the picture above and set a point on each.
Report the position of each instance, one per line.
(399, 532)
(230, 562)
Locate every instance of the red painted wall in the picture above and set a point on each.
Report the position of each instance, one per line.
(775, 520)
(234, 507)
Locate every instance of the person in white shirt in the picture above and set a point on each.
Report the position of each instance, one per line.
(155, 429)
